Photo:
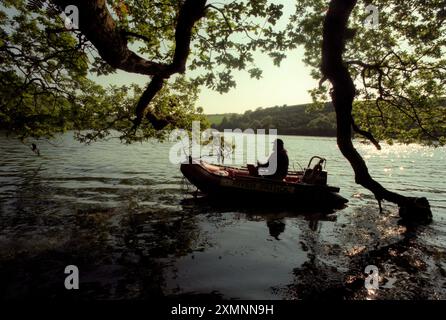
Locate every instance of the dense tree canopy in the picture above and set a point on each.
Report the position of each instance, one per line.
(398, 67)
(45, 88)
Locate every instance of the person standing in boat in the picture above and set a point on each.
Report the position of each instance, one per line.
(278, 162)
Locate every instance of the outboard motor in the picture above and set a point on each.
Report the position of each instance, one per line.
(316, 174)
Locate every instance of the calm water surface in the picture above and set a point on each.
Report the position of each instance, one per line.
(119, 213)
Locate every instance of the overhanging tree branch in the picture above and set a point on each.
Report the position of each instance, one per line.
(343, 93)
(190, 13)
(366, 134)
(97, 24)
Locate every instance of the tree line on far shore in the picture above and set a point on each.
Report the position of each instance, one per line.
(305, 119)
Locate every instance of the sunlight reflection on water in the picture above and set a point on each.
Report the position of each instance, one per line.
(116, 207)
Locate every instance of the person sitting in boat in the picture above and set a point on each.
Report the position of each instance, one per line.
(277, 165)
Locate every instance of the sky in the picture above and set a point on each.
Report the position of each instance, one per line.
(287, 84)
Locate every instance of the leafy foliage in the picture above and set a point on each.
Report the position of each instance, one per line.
(40, 74)
(176, 100)
(45, 88)
(398, 68)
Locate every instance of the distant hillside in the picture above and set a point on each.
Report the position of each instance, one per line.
(216, 119)
(288, 120)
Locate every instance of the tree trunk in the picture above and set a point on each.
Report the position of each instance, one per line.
(335, 35)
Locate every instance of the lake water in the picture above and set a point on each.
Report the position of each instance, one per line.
(118, 213)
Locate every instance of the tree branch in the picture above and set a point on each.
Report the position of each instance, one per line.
(136, 35)
(152, 89)
(190, 13)
(97, 24)
(334, 68)
(366, 134)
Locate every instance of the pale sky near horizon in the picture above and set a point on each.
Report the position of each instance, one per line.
(287, 84)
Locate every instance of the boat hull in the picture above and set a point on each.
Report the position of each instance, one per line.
(260, 189)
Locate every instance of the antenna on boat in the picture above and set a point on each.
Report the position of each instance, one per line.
(187, 154)
(294, 168)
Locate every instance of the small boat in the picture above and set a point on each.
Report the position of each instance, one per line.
(307, 188)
